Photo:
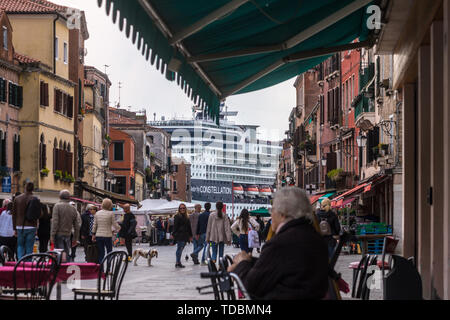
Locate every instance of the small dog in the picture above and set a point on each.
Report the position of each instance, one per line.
(149, 255)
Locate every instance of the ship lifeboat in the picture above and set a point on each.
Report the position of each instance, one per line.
(252, 191)
(238, 189)
(265, 191)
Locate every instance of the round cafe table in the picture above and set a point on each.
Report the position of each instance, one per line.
(79, 271)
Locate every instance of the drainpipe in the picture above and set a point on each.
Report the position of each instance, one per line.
(54, 38)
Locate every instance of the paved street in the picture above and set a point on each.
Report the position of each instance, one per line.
(163, 282)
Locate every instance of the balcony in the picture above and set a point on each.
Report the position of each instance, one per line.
(364, 104)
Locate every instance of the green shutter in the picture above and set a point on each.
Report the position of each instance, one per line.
(19, 96)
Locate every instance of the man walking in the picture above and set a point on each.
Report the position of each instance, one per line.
(193, 218)
(25, 229)
(64, 218)
(202, 225)
(161, 231)
(128, 229)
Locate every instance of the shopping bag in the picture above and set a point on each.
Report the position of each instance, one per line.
(167, 235)
(92, 253)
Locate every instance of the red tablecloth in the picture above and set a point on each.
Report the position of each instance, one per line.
(23, 275)
(85, 271)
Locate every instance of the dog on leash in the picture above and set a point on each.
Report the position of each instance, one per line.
(149, 255)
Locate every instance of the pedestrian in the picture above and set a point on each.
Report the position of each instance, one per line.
(293, 265)
(128, 229)
(26, 213)
(260, 230)
(218, 231)
(182, 232)
(7, 237)
(64, 219)
(202, 226)
(161, 230)
(44, 228)
(87, 224)
(104, 221)
(72, 239)
(193, 218)
(241, 228)
(329, 225)
(170, 230)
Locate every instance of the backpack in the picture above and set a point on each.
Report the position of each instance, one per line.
(33, 210)
(324, 227)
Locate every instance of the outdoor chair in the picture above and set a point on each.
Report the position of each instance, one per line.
(34, 277)
(6, 255)
(226, 286)
(403, 282)
(365, 290)
(110, 276)
(358, 273)
(57, 253)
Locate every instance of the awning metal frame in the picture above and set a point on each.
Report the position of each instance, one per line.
(292, 42)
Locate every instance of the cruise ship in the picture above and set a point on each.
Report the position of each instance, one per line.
(228, 162)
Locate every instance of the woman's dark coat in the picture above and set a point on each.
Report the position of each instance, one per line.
(292, 265)
(181, 228)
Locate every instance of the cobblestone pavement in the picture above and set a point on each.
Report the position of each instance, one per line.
(163, 281)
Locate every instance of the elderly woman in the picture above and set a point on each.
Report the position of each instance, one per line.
(294, 263)
(104, 221)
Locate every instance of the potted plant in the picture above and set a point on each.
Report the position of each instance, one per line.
(336, 174)
(58, 174)
(68, 177)
(4, 172)
(44, 172)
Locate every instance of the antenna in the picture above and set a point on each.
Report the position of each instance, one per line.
(106, 66)
(120, 87)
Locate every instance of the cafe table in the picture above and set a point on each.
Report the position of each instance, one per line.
(365, 238)
(67, 271)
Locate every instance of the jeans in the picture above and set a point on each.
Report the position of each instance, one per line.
(204, 244)
(25, 241)
(64, 242)
(243, 243)
(198, 245)
(101, 244)
(180, 247)
(221, 246)
(161, 236)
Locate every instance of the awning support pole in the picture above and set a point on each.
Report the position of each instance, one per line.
(210, 18)
(303, 55)
(292, 42)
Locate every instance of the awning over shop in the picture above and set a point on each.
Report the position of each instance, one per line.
(215, 49)
(328, 195)
(85, 201)
(313, 199)
(115, 197)
(263, 212)
(361, 188)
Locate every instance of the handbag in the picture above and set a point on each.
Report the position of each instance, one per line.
(167, 235)
(92, 253)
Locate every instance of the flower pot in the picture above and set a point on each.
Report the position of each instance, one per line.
(43, 174)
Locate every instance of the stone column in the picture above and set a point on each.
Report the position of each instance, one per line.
(423, 168)
(437, 163)
(409, 173)
(446, 174)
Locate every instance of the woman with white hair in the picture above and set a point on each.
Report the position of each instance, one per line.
(104, 221)
(294, 263)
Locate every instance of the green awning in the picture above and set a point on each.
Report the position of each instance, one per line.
(215, 49)
(263, 212)
(329, 195)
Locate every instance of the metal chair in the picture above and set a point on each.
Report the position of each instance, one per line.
(57, 253)
(110, 276)
(358, 274)
(37, 275)
(365, 291)
(226, 286)
(6, 255)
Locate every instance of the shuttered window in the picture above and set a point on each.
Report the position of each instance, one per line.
(15, 95)
(16, 153)
(44, 94)
(3, 83)
(3, 149)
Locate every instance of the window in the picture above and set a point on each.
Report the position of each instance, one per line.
(2, 148)
(66, 57)
(63, 103)
(118, 151)
(5, 38)
(44, 94)
(151, 139)
(121, 185)
(16, 153)
(15, 95)
(56, 48)
(174, 186)
(42, 153)
(147, 151)
(3, 83)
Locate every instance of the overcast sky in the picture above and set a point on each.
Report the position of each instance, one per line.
(143, 87)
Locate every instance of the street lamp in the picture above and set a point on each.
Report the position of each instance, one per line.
(103, 162)
(324, 162)
(362, 141)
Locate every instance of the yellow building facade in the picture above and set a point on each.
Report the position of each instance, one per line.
(48, 114)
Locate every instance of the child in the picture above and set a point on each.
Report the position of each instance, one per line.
(253, 240)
